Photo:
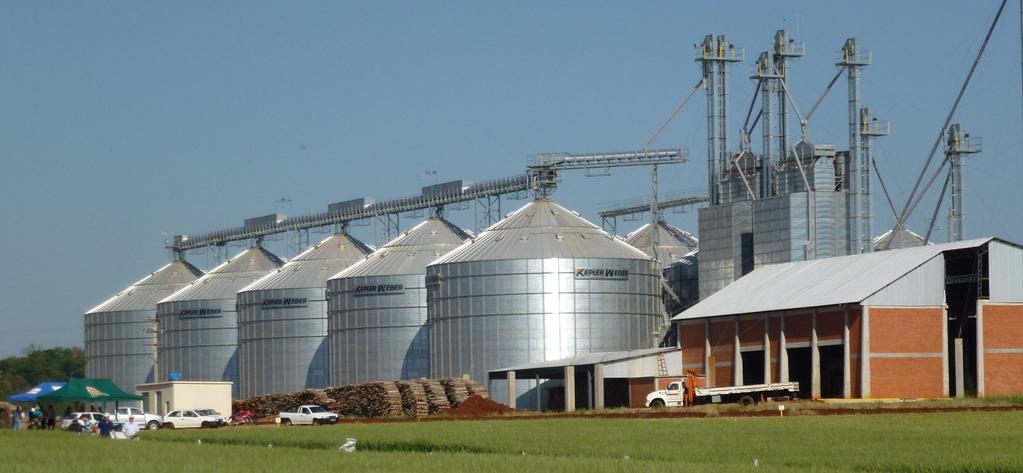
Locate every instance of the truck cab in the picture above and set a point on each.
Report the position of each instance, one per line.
(671, 395)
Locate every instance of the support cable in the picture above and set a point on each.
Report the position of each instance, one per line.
(914, 199)
(937, 206)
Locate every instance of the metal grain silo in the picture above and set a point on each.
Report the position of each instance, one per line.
(282, 320)
(683, 277)
(542, 284)
(198, 326)
(674, 242)
(120, 333)
(377, 308)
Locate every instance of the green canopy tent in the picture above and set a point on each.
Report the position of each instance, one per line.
(90, 392)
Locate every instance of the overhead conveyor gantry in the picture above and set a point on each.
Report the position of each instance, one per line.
(541, 177)
(641, 205)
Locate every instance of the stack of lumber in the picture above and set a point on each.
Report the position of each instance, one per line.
(414, 399)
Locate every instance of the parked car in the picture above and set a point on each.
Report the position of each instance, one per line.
(309, 415)
(193, 418)
(143, 420)
(92, 416)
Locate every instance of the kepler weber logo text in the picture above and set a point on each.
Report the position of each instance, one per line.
(379, 289)
(601, 273)
(284, 302)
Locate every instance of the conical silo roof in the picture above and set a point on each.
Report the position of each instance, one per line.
(314, 266)
(224, 281)
(411, 252)
(674, 242)
(542, 229)
(147, 292)
(898, 239)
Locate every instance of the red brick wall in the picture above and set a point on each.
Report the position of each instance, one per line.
(797, 328)
(638, 389)
(722, 346)
(910, 331)
(692, 339)
(751, 332)
(906, 377)
(774, 332)
(855, 338)
(830, 325)
(1003, 329)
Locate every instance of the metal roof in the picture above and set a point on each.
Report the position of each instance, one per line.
(148, 291)
(588, 359)
(313, 267)
(224, 281)
(542, 229)
(411, 252)
(674, 242)
(816, 283)
(901, 238)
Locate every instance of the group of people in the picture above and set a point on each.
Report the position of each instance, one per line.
(39, 418)
(34, 418)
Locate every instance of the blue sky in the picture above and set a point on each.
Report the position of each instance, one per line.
(122, 121)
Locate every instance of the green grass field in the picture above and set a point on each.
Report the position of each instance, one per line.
(944, 442)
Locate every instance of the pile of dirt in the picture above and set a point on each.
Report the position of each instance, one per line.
(479, 406)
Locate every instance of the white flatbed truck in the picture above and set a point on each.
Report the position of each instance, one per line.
(677, 394)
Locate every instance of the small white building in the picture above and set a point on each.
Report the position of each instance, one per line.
(161, 398)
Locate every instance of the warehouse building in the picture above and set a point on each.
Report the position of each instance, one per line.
(932, 321)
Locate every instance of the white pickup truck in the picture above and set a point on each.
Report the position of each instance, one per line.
(675, 394)
(308, 414)
(143, 420)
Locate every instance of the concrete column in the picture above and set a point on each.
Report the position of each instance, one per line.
(598, 386)
(767, 350)
(569, 388)
(944, 352)
(708, 358)
(980, 350)
(815, 359)
(783, 354)
(511, 389)
(960, 369)
(737, 358)
(846, 357)
(865, 353)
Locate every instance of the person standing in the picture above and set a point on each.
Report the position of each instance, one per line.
(16, 418)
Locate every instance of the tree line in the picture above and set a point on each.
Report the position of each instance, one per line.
(20, 373)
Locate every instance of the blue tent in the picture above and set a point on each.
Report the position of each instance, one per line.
(32, 394)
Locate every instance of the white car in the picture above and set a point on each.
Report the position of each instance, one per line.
(310, 415)
(143, 420)
(193, 418)
(91, 416)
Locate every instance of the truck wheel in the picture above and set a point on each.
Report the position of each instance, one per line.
(746, 401)
(286, 421)
(317, 422)
(657, 404)
(153, 425)
(168, 426)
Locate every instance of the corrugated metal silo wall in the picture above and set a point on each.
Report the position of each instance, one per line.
(378, 335)
(282, 340)
(485, 315)
(199, 339)
(119, 346)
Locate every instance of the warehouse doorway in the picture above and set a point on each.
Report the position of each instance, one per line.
(832, 359)
(753, 367)
(966, 281)
(799, 369)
